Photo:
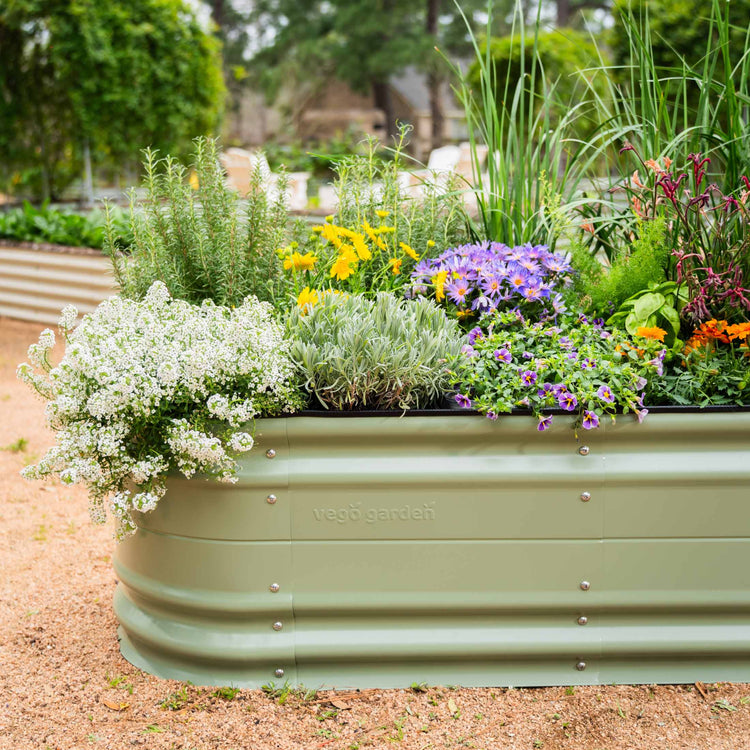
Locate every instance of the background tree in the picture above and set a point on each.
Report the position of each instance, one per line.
(112, 77)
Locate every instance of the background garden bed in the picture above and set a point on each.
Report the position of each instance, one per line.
(38, 280)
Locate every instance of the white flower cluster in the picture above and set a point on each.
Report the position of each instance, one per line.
(152, 386)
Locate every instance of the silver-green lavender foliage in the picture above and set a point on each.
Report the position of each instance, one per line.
(204, 242)
(382, 353)
(156, 386)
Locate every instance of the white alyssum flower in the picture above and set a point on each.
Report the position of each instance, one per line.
(152, 386)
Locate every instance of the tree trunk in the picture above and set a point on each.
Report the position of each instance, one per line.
(88, 179)
(434, 80)
(217, 13)
(563, 13)
(384, 101)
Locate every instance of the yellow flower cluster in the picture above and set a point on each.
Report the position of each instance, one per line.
(365, 257)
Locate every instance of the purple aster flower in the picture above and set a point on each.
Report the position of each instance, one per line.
(457, 290)
(423, 270)
(491, 415)
(590, 420)
(544, 423)
(556, 263)
(530, 265)
(528, 377)
(483, 304)
(605, 394)
(558, 305)
(474, 334)
(491, 285)
(463, 401)
(517, 279)
(567, 401)
(502, 355)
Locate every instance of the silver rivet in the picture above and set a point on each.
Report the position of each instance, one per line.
(582, 620)
(585, 496)
(581, 666)
(271, 499)
(270, 453)
(585, 585)
(278, 625)
(279, 672)
(584, 450)
(274, 587)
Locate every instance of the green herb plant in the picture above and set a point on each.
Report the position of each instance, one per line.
(204, 242)
(384, 353)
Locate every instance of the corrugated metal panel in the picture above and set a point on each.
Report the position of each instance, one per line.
(452, 550)
(36, 285)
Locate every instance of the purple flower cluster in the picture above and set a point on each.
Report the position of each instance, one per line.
(484, 277)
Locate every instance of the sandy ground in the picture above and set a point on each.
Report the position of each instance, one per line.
(63, 683)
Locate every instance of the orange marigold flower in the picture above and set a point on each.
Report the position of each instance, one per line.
(738, 331)
(713, 329)
(653, 332)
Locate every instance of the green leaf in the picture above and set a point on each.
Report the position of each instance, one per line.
(647, 305)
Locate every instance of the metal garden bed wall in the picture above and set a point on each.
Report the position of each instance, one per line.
(36, 284)
(377, 552)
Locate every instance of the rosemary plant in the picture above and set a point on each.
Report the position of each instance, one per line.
(199, 236)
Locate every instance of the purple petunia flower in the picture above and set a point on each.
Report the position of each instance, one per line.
(657, 364)
(564, 342)
(567, 401)
(605, 394)
(468, 350)
(544, 423)
(544, 390)
(502, 355)
(463, 401)
(527, 355)
(590, 420)
(641, 414)
(491, 415)
(588, 364)
(528, 377)
(474, 334)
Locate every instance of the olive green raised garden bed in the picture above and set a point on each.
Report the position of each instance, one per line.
(378, 552)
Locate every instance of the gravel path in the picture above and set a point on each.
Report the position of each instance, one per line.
(64, 685)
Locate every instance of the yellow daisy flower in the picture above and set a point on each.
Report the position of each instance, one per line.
(439, 281)
(408, 251)
(300, 262)
(341, 269)
(307, 297)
